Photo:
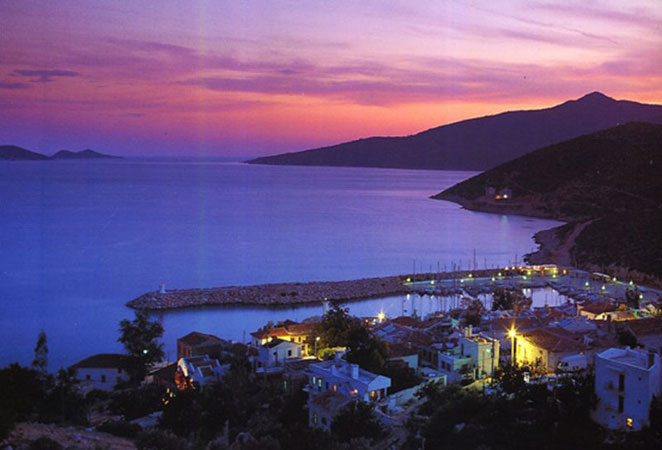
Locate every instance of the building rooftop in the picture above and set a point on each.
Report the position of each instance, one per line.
(633, 358)
(104, 361)
(554, 339)
(196, 338)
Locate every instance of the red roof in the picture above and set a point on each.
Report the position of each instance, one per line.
(553, 339)
(196, 338)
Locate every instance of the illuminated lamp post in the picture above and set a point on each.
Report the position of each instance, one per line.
(512, 333)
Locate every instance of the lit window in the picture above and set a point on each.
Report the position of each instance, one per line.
(335, 387)
(629, 423)
(319, 382)
(373, 394)
(315, 418)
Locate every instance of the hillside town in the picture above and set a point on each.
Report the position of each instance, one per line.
(378, 369)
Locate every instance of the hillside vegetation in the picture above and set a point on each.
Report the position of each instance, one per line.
(611, 181)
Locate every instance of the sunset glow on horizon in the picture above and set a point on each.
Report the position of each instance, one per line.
(263, 77)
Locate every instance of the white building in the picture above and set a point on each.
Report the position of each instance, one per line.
(274, 353)
(473, 358)
(202, 370)
(625, 382)
(102, 371)
(333, 384)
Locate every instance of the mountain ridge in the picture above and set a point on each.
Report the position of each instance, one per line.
(16, 153)
(477, 143)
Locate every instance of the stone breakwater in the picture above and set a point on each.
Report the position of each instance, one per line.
(273, 294)
(281, 294)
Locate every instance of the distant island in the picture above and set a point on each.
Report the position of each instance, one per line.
(606, 185)
(15, 153)
(481, 143)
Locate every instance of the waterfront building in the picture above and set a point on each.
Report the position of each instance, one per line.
(102, 371)
(473, 357)
(625, 382)
(547, 345)
(288, 330)
(199, 371)
(334, 384)
(199, 344)
(275, 353)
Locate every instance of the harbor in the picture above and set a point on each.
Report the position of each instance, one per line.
(571, 283)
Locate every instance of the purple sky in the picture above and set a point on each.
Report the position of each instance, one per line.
(261, 77)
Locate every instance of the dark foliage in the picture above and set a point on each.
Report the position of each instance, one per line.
(356, 420)
(140, 339)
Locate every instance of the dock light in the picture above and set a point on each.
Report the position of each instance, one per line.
(493, 279)
(145, 351)
(470, 276)
(512, 332)
(603, 287)
(586, 284)
(462, 280)
(614, 279)
(524, 277)
(631, 283)
(381, 316)
(565, 272)
(432, 282)
(408, 279)
(641, 296)
(499, 274)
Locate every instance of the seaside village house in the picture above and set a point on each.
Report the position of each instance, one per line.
(549, 345)
(199, 344)
(287, 331)
(333, 384)
(473, 357)
(625, 382)
(273, 355)
(198, 371)
(102, 371)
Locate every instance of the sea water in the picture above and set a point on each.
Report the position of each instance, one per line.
(79, 239)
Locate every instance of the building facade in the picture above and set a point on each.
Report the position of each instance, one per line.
(625, 382)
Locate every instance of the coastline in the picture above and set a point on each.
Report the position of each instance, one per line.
(554, 246)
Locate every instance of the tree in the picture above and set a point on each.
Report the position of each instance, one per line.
(332, 330)
(139, 337)
(356, 420)
(40, 361)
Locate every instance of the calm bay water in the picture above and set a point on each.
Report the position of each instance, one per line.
(79, 239)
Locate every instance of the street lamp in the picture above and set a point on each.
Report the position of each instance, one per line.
(317, 338)
(512, 333)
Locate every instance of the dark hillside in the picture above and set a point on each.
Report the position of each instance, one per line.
(15, 153)
(608, 185)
